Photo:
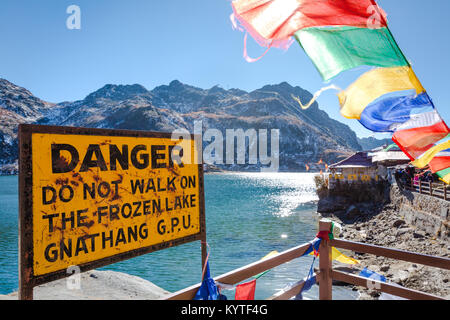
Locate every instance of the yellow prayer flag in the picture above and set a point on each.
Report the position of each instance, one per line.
(446, 178)
(270, 254)
(426, 158)
(339, 256)
(372, 85)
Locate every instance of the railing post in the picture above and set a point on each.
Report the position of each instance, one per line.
(420, 186)
(431, 188)
(325, 264)
(445, 192)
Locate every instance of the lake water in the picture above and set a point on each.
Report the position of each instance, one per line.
(248, 215)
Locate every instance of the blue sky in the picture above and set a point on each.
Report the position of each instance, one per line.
(154, 42)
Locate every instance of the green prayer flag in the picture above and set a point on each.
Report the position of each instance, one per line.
(335, 49)
(443, 173)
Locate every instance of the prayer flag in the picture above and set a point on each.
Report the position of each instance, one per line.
(272, 22)
(374, 84)
(336, 49)
(246, 291)
(386, 115)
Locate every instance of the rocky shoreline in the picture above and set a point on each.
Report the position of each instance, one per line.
(381, 224)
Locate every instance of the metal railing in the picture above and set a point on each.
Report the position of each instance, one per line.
(434, 189)
(326, 273)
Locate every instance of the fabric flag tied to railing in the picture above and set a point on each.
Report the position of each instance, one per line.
(208, 289)
(245, 291)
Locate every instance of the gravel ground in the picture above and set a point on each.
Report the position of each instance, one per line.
(97, 285)
(387, 228)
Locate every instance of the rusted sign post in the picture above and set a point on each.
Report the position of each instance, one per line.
(92, 197)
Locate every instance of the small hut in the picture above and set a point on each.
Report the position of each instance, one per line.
(366, 166)
(358, 167)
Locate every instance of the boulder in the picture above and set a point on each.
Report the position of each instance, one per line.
(398, 223)
(331, 204)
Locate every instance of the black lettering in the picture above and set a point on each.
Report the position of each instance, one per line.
(50, 220)
(175, 221)
(158, 156)
(185, 201)
(65, 249)
(81, 218)
(143, 231)
(70, 219)
(146, 207)
(143, 157)
(116, 186)
(159, 186)
(116, 156)
(177, 203)
(138, 206)
(150, 185)
(105, 238)
(168, 208)
(173, 157)
(132, 231)
(171, 184)
(187, 224)
(156, 204)
(160, 227)
(61, 193)
(88, 162)
(81, 246)
(129, 209)
(90, 190)
(114, 212)
(137, 184)
(59, 163)
(51, 256)
(192, 198)
(103, 186)
(101, 212)
(183, 182)
(192, 182)
(44, 195)
(92, 237)
(120, 237)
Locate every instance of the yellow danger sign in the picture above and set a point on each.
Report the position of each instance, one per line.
(105, 195)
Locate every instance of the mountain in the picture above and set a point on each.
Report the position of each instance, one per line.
(372, 143)
(305, 136)
(17, 105)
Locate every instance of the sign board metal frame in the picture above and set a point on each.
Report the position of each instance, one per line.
(27, 279)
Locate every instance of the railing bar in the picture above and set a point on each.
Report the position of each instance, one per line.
(383, 286)
(439, 262)
(292, 290)
(245, 272)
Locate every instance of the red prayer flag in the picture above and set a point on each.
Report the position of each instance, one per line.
(416, 141)
(439, 163)
(246, 291)
(272, 22)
